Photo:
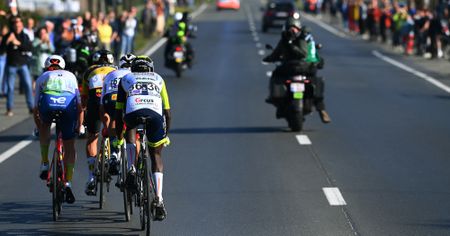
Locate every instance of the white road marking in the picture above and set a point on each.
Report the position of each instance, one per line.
(256, 39)
(261, 52)
(334, 196)
(417, 73)
(258, 45)
(325, 26)
(269, 73)
(16, 148)
(303, 139)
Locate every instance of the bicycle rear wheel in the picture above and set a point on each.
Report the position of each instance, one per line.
(56, 186)
(103, 155)
(148, 198)
(126, 194)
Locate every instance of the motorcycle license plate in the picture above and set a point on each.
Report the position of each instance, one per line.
(297, 87)
(178, 60)
(178, 54)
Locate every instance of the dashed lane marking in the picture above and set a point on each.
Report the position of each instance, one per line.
(303, 139)
(334, 196)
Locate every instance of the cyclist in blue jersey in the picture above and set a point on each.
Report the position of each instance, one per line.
(57, 91)
(108, 106)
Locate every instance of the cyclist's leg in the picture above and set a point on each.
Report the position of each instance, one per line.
(157, 137)
(44, 133)
(93, 127)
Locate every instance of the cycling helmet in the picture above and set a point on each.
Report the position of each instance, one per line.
(142, 64)
(125, 60)
(178, 16)
(53, 61)
(293, 22)
(102, 57)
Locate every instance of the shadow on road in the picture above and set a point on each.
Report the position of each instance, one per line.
(35, 218)
(228, 130)
(13, 138)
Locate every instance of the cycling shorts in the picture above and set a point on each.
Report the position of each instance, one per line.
(93, 112)
(109, 104)
(156, 126)
(66, 105)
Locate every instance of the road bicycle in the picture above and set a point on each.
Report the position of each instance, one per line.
(103, 178)
(121, 183)
(56, 176)
(146, 194)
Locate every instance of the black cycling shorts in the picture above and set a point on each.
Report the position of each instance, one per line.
(156, 126)
(109, 104)
(93, 113)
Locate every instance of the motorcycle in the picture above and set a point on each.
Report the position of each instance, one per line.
(177, 59)
(293, 96)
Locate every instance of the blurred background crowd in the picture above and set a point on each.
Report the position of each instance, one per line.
(419, 27)
(29, 37)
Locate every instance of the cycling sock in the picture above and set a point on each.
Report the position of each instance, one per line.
(131, 154)
(44, 153)
(91, 164)
(69, 171)
(158, 177)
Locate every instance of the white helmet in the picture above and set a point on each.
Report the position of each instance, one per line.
(125, 60)
(178, 16)
(55, 60)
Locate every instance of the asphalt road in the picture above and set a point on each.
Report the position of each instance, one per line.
(232, 168)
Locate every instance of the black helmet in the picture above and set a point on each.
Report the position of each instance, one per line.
(293, 22)
(126, 60)
(142, 64)
(103, 57)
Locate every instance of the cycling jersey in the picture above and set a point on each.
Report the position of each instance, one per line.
(145, 95)
(92, 89)
(109, 91)
(142, 91)
(57, 91)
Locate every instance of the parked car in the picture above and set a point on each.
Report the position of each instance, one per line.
(228, 4)
(277, 12)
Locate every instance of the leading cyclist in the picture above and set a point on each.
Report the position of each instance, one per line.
(57, 91)
(142, 93)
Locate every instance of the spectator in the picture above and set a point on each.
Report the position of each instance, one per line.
(87, 20)
(105, 33)
(66, 37)
(50, 26)
(160, 18)
(115, 39)
(42, 48)
(78, 28)
(17, 45)
(435, 33)
(29, 30)
(129, 30)
(4, 31)
(421, 26)
(148, 18)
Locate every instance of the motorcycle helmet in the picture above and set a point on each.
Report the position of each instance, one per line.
(126, 60)
(293, 22)
(54, 62)
(103, 57)
(178, 16)
(142, 64)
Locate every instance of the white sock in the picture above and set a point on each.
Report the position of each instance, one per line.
(131, 154)
(158, 177)
(91, 164)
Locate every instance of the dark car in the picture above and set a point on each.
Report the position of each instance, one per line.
(277, 12)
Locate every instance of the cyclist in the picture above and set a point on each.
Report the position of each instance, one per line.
(108, 106)
(90, 96)
(142, 93)
(57, 91)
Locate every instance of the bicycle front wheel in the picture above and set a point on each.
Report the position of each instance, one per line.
(126, 194)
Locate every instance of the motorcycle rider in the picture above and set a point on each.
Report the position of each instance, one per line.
(296, 51)
(177, 34)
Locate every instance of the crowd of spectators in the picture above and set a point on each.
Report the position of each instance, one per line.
(422, 31)
(25, 44)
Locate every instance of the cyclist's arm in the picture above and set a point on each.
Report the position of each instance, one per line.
(120, 104)
(166, 106)
(102, 108)
(80, 111)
